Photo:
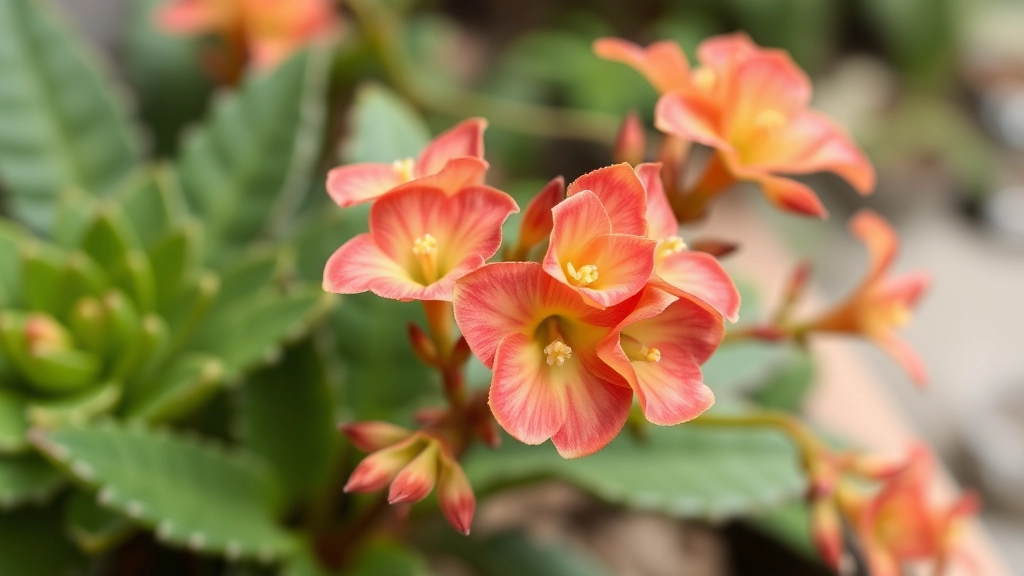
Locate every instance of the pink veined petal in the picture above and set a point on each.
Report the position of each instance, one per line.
(768, 81)
(880, 240)
(691, 118)
(500, 299)
(699, 275)
(538, 220)
(457, 173)
(464, 139)
(576, 221)
(358, 183)
(662, 63)
(810, 143)
(624, 265)
(672, 391)
(906, 357)
(528, 396)
(187, 17)
(595, 412)
(360, 266)
(661, 221)
(622, 194)
(721, 53)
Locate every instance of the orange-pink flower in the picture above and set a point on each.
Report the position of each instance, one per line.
(458, 153)
(540, 340)
(658, 348)
(680, 271)
(880, 304)
(901, 524)
(750, 105)
(412, 463)
(537, 222)
(264, 31)
(421, 240)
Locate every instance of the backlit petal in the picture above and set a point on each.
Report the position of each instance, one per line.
(721, 53)
(537, 219)
(527, 396)
(766, 82)
(464, 139)
(879, 238)
(360, 266)
(789, 195)
(457, 173)
(661, 221)
(662, 63)
(906, 357)
(691, 118)
(358, 183)
(622, 194)
(699, 275)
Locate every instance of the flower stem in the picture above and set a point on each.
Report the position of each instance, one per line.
(806, 442)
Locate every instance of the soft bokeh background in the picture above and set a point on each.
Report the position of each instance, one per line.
(934, 89)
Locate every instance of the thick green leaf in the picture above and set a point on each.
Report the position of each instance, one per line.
(74, 408)
(384, 128)
(786, 388)
(62, 124)
(193, 494)
(175, 390)
(384, 557)
(109, 237)
(13, 422)
(153, 202)
(286, 416)
(514, 554)
(27, 478)
(94, 528)
(245, 171)
(11, 239)
(744, 367)
(31, 544)
(685, 471)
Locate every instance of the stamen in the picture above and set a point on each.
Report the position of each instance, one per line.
(651, 355)
(585, 276)
(770, 120)
(404, 169)
(671, 245)
(704, 78)
(425, 244)
(557, 353)
(637, 351)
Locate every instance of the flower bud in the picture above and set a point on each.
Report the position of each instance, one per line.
(415, 481)
(717, 248)
(455, 494)
(422, 345)
(537, 220)
(374, 435)
(378, 469)
(631, 141)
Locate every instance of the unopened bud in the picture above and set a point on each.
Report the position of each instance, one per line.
(378, 469)
(537, 220)
(631, 141)
(415, 481)
(374, 435)
(715, 247)
(422, 345)
(455, 495)
(827, 531)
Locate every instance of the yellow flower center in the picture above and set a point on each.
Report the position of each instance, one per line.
(704, 78)
(770, 120)
(404, 169)
(636, 351)
(584, 276)
(425, 249)
(651, 355)
(557, 353)
(671, 245)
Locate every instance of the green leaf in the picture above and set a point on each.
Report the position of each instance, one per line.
(31, 544)
(13, 422)
(514, 554)
(27, 478)
(253, 331)
(743, 367)
(12, 238)
(109, 237)
(62, 123)
(74, 409)
(153, 202)
(193, 494)
(172, 259)
(786, 388)
(686, 471)
(384, 557)
(244, 173)
(286, 416)
(384, 128)
(176, 390)
(93, 528)
(42, 269)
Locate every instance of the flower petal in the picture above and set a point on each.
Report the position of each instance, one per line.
(691, 118)
(189, 17)
(879, 238)
(358, 183)
(595, 412)
(464, 139)
(662, 63)
(766, 82)
(787, 194)
(661, 221)
(360, 266)
(624, 265)
(721, 53)
(906, 357)
(505, 298)
(528, 396)
(699, 275)
(538, 220)
(457, 173)
(576, 222)
(621, 192)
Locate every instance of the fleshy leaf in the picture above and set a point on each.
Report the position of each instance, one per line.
(514, 554)
(27, 478)
(385, 557)
(94, 528)
(11, 239)
(192, 494)
(74, 409)
(245, 172)
(686, 471)
(13, 423)
(175, 390)
(29, 547)
(53, 135)
(384, 128)
(287, 417)
(153, 202)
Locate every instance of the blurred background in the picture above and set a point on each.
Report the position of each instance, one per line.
(933, 89)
